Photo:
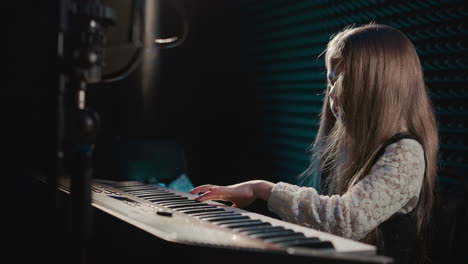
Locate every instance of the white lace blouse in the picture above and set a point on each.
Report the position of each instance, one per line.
(393, 185)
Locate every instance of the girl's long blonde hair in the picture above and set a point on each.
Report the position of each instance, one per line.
(380, 88)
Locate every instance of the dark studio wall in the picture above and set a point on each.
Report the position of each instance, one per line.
(29, 98)
(243, 92)
(241, 95)
(203, 98)
(287, 39)
(289, 36)
(203, 101)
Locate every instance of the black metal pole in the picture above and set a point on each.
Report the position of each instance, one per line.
(85, 129)
(81, 48)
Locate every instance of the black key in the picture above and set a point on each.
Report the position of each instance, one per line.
(130, 185)
(227, 217)
(136, 183)
(134, 189)
(194, 211)
(172, 198)
(308, 242)
(273, 234)
(149, 192)
(233, 221)
(124, 184)
(168, 195)
(205, 216)
(146, 190)
(139, 194)
(203, 206)
(294, 236)
(246, 224)
(259, 229)
(169, 203)
(178, 206)
(300, 240)
(153, 195)
(213, 213)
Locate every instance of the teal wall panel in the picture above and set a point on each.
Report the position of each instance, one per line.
(287, 38)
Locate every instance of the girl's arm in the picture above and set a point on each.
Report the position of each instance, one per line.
(393, 185)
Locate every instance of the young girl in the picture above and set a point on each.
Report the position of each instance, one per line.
(376, 149)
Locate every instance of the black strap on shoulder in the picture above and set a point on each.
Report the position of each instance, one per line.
(397, 137)
(398, 234)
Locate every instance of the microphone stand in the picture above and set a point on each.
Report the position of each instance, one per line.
(81, 52)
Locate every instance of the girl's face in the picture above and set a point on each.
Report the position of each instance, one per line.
(333, 106)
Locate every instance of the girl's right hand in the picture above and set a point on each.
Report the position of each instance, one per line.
(241, 195)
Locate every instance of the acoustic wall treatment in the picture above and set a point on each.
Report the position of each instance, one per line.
(287, 37)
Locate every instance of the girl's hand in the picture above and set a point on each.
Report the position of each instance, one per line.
(241, 195)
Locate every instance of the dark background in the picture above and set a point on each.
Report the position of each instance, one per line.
(212, 91)
(204, 99)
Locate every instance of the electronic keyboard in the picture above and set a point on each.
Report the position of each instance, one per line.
(176, 217)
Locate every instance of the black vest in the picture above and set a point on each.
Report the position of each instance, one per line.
(397, 236)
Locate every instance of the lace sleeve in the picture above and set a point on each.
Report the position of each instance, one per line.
(393, 185)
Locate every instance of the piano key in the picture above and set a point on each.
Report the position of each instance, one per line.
(298, 241)
(130, 185)
(284, 239)
(246, 224)
(213, 213)
(149, 192)
(169, 203)
(234, 221)
(259, 229)
(228, 217)
(169, 195)
(204, 216)
(203, 206)
(149, 195)
(238, 219)
(184, 205)
(175, 198)
(132, 188)
(309, 242)
(194, 211)
(273, 234)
